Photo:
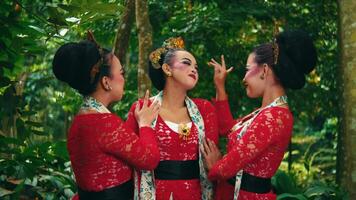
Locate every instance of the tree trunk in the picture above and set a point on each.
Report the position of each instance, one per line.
(347, 136)
(145, 45)
(123, 31)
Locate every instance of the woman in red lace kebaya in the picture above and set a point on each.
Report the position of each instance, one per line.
(180, 128)
(257, 142)
(102, 149)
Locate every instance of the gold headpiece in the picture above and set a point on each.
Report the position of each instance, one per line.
(170, 43)
(275, 47)
(96, 68)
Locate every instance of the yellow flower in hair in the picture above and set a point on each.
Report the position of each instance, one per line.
(155, 56)
(174, 43)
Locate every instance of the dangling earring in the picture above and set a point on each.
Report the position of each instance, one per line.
(108, 88)
(262, 77)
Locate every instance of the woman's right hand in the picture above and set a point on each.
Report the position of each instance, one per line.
(220, 74)
(147, 113)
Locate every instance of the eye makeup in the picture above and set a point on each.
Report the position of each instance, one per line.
(252, 71)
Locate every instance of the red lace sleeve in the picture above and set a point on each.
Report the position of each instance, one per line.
(131, 119)
(268, 127)
(140, 152)
(208, 113)
(224, 116)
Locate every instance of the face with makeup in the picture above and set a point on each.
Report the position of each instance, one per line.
(254, 84)
(183, 70)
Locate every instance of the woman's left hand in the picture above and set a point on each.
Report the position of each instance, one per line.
(211, 153)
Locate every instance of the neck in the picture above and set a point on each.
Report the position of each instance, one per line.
(271, 93)
(173, 96)
(102, 97)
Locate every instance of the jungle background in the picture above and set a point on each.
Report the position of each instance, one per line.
(36, 109)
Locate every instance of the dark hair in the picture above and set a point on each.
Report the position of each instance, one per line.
(73, 63)
(297, 57)
(157, 75)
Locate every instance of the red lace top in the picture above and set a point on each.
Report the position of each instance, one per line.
(103, 149)
(174, 148)
(259, 152)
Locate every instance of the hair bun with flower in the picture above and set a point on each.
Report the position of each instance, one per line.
(170, 43)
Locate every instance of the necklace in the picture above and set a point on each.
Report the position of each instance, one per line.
(183, 131)
(90, 103)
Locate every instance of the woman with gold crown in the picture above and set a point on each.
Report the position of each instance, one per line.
(180, 128)
(257, 142)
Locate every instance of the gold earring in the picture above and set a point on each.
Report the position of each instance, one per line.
(169, 74)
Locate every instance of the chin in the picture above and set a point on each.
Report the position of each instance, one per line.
(251, 94)
(190, 87)
(119, 97)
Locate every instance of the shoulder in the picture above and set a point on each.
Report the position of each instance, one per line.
(97, 119)
(203, 103)
(277, 115)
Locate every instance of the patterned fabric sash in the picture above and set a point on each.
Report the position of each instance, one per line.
(146, 189)
(90, 103)
(244, 125)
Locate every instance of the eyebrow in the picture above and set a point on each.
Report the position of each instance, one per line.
(186, 59)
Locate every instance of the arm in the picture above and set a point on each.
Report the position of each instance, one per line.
(261, 134)
(222, 107)
(224, 117)
(208, 113)
(139, 151)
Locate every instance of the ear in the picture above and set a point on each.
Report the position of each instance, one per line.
(166, 68)
(105, 82)
(266, 69)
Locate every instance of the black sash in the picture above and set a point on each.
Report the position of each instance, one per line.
(124, 191)
(177, 170)
(253, 184)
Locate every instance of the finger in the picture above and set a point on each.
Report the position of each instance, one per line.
(214, 61)
(223, 62)
(206, 146)
(156, 107)
(153, 104)
(229, 70)
(212, 145)
(214, 64)
(205, 155)
(145, 100)
(137, 108)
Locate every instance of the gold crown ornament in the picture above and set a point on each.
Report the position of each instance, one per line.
(170, 43)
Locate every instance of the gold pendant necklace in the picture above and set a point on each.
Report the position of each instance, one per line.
(184, 131)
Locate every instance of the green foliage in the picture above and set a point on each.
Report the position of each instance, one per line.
(286, 187)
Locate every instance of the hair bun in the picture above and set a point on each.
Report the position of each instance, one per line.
(297, 57)
(72, 64)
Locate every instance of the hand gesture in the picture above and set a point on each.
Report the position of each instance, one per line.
(220, 72)
(211, 153)
(147, 113)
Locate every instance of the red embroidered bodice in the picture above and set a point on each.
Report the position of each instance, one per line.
(103, 149)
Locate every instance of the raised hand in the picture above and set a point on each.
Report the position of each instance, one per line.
(220, 74)
(211, 153)
(220, 71)
(147, 113)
